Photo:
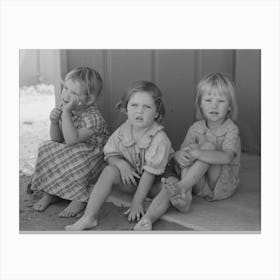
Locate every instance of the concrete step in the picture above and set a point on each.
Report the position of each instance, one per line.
(241, 212)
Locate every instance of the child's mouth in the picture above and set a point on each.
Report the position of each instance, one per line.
(64, 101)
(214, 113)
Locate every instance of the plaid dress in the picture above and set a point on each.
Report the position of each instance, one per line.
(66, 171)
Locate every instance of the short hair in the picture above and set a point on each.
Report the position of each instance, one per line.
(221, 83)
(144, 86)
(89, 77)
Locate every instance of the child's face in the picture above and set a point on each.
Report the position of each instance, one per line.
(76, 91)
(214, 107)
(141, 110)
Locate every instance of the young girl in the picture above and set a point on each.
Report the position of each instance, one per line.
(137, 152)
(74, 155)
(209, 157)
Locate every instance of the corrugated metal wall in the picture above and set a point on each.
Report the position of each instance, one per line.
(176, 72)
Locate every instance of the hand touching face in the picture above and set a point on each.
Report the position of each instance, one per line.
(55, 115)
(73, 95)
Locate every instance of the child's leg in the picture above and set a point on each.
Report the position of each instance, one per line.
(44, 202)
(102, 189)
(180, 199)
(73, 208)
(213, 174)
(157, 208)
(180, 193)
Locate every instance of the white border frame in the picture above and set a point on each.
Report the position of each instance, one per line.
(153, 24)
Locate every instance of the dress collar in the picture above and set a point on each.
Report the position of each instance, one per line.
(219, 131)
(127, 139)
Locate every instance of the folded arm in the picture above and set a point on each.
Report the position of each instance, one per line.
(71, 134)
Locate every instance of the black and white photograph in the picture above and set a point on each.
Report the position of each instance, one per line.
(140, 139)
(152, 140)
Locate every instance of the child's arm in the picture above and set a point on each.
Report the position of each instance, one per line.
(144, 186)
(71, 134)
(226, 155)
(127, 172)
(55, 131)
(182, 157)
(212, 156)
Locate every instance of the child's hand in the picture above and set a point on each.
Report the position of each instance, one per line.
(68, 105)
(55, 115)
(182, 157)
(128, 173)
(193, 154)
(136, 211)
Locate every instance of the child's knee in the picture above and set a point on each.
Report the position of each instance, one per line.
(110, 171)
(207, 146)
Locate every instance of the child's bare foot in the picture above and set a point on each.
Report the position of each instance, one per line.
(82, 224)
(73, 208)
(179, 199)
(144, 224)
(44, 202)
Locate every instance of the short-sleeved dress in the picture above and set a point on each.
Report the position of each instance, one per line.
(151, 153)
(225, 137)
(66, 171)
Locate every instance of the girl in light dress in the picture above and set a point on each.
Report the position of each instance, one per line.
(137, 154)
(209, 158)
(73, 157)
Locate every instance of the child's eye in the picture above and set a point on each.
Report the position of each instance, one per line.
(147, 107)
(222, 101)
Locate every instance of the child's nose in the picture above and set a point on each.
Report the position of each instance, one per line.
(139, 109)
(214, 104)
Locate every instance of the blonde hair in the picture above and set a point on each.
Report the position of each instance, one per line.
(90, 78)
(222, 84)
(144, 86)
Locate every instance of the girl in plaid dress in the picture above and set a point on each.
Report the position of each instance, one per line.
(74, 155)
(137, 154)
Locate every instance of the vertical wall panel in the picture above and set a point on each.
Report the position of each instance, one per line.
(176, 78)
(177, 72)
(248, 91)
(217, 61)
(127, 66)
(92, 58)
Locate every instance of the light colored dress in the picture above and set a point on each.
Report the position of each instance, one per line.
(151, 153)
(66, 171)
(225, 137)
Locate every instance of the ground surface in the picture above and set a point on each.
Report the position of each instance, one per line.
(35, 106)
(111, 218)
